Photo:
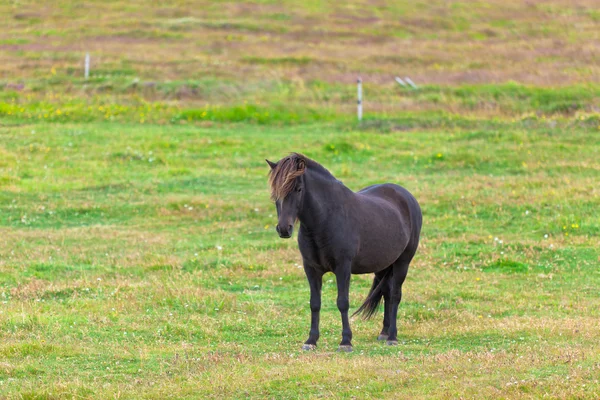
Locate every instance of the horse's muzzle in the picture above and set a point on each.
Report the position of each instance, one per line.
(285, 233)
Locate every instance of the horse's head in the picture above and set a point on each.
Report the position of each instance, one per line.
(287, 190)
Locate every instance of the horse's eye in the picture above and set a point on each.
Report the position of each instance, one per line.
(299, 189)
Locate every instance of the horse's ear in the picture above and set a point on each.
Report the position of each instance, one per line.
(271, 164)
(301, 165)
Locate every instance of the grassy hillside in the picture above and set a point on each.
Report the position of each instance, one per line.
(436, 42)
(298, 55)
(138, 257)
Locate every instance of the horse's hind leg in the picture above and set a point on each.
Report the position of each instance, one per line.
(386, 309)
(400, 269)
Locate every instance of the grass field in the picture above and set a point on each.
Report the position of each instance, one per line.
(138, 256)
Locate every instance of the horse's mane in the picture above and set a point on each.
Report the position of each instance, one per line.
(282, 178)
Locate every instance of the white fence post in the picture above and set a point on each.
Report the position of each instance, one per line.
(410, 82)
(87, 65)
(401, 82)
(359, 108)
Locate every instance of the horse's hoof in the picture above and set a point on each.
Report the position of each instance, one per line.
(382, 337)
(392, 343)
(345, 348)
(309, 347)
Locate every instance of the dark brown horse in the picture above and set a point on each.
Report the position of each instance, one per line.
(375, 230)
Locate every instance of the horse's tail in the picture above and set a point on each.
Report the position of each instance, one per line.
(372, 301)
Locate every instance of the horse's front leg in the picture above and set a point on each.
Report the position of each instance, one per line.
(342, 276)
(315, 280)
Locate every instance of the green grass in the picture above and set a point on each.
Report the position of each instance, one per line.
(158, 278)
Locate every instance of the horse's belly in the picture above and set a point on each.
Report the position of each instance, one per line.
(376, 256)
(381, 244)
(373, 264)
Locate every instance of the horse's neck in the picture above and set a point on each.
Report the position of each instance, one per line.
(324, 197)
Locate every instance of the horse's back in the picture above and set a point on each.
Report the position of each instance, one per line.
(394, 194)
(399, 196)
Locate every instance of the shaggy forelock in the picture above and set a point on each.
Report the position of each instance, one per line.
(282, 178)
